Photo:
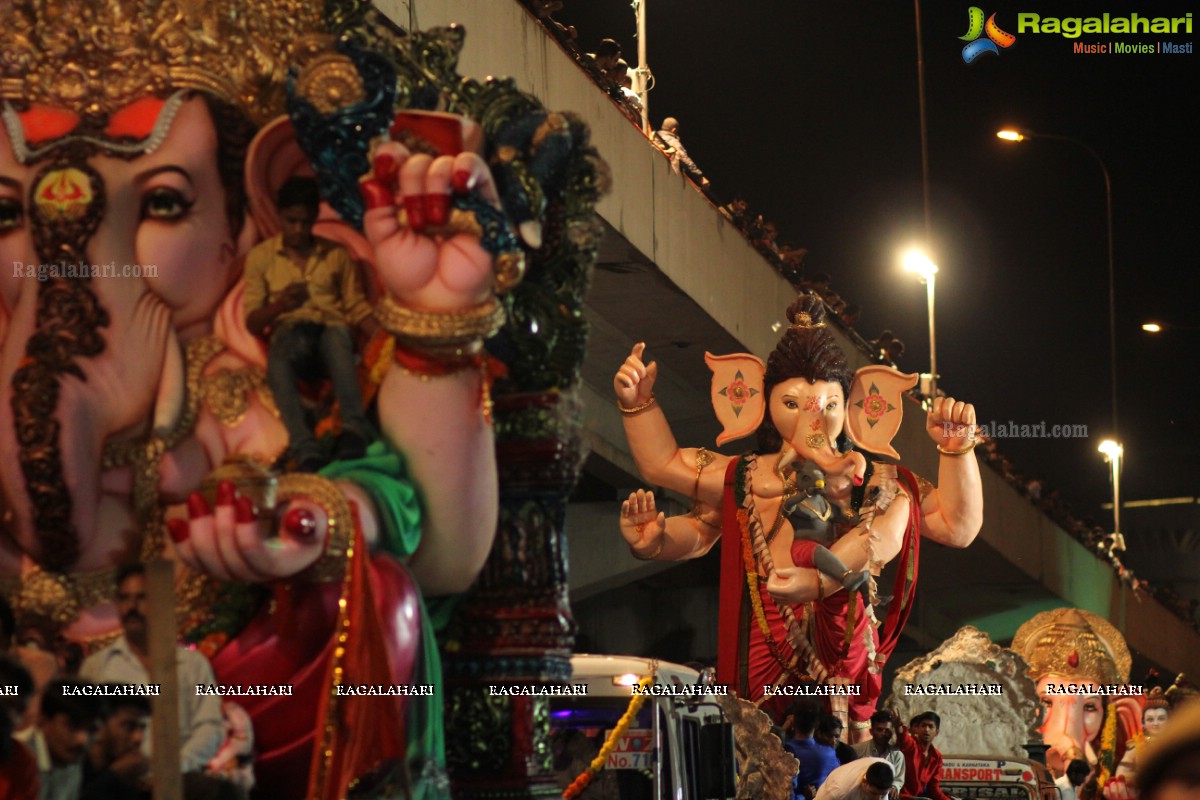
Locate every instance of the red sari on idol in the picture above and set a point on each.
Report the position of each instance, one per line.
(837, 637)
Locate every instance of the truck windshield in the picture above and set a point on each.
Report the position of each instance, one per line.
(578, 729)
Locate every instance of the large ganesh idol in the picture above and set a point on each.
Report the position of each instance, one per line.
(809, 520)
(142, 145)
(1081, 664)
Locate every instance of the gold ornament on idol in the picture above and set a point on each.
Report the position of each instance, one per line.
(98, 57)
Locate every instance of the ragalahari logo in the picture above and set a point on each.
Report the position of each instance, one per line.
(976, 27)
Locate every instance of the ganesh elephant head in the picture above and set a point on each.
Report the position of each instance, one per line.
(810, 416)
(126, 235)
(1075, 656)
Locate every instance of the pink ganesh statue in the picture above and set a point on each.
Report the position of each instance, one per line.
(142, 144)
(810, 520)
(1081, 664)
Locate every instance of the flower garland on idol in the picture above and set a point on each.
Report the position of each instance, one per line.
(755, 549)
(585, 778)
(1108, 748)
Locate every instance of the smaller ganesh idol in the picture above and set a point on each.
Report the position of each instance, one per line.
(808, 521)
(1154, 717)
(1081, 664)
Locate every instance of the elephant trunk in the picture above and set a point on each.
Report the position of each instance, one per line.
(79, 356)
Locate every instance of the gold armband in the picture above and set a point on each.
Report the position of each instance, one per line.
(441, 333)
(962, 452)
(657, 552)
(638, 408)
(703, 459)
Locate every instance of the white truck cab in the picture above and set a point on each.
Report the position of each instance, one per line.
(679, 748)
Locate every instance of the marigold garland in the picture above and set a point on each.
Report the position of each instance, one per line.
(1108, 746)
(760, 614)
(585, 778)
(752, 537)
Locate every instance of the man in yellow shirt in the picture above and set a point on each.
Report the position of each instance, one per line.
(303, 297)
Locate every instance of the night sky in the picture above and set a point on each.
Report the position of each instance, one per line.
(808, 110)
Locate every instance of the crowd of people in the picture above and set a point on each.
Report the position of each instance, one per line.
(763, 237)
(896, 761)
(75, 729)
(901, 762)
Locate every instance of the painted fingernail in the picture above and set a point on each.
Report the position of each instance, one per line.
(226, 493)
(178, 530)
(244, 510)
(437, 208)
(461, 180)
(385, 166)
(300, 522)
(197, 506)
(415, 207)
(858, 481)
(374, 194)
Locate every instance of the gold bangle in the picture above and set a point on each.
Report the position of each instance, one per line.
(440, 330)
(962, 452)
(340, 521)
(661, 543)
(638, 408)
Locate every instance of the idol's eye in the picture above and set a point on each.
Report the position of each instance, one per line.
(792, 404)
(1089, 707)
(12, 214)
(832, 406)
(165, 204)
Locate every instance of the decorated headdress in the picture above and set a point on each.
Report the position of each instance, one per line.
(1075, 644)
(742, 382)
(99, 56)
(1156, 698)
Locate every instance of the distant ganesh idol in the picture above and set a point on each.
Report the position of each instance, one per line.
(811, 518)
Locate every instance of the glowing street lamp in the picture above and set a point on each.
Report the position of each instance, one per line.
(916, 261)
(1167, 327)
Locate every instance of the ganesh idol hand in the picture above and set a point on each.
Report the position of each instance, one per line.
(427, 255)
(1117, 788)
(791, 584)
(642, 525)
(634, 381)
(234, 541)
(951, 424)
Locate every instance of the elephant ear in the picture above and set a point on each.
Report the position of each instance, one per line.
(737, 393)
(875, 408)
(273, 156)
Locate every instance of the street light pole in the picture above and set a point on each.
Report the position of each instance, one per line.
(933, 373)
(1021, 135)
(924, 144)
(918, 262)
(643, 70)
(1113, 453)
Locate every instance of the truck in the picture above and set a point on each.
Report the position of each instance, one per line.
(679, 748)
(971, 777)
